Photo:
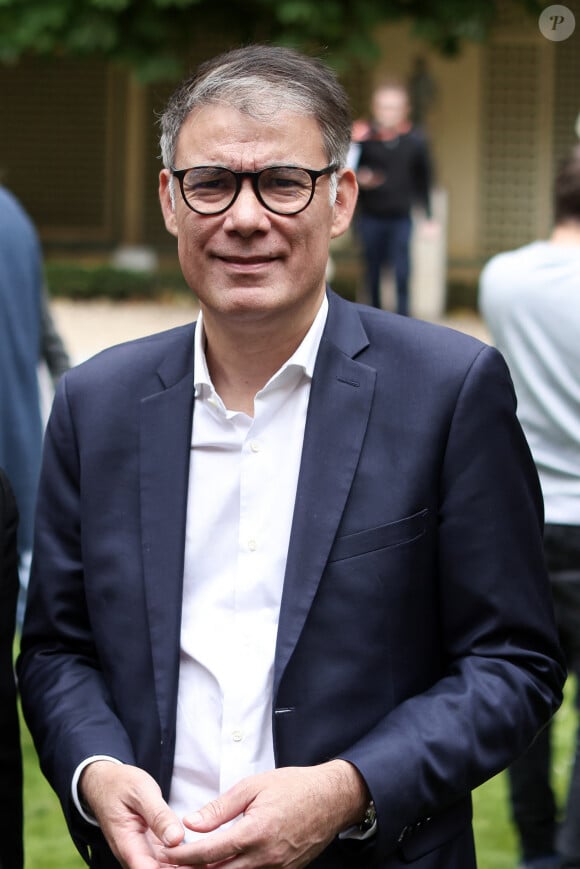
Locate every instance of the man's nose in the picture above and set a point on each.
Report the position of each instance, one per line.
(247, 214)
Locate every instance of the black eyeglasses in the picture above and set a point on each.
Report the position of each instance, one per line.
(281, 189)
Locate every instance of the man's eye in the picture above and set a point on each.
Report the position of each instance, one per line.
(207, 186)
(206, 183)
(285, 183)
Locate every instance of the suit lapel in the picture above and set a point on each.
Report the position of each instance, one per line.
(340, 402)
(165, 439)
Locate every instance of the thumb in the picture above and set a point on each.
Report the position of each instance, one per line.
(161, 820)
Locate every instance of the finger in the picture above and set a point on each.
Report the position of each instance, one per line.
(220, 811)
(163, 823)
(156, 814)
(218, 848)
(136, 847)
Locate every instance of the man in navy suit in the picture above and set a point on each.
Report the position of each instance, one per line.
(288, 603)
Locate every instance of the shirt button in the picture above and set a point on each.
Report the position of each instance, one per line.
(237, 735)
(252, 545)
(255, 446)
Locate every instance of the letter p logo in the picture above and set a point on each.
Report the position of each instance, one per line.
(557, 23)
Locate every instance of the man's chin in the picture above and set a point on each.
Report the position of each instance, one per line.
(251, 295)
(251, 302)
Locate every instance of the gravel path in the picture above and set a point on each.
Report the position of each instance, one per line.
(87, 327)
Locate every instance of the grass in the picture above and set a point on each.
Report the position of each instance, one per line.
(48, 845)
(494, 835)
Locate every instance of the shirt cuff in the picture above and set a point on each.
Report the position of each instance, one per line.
(82, 810)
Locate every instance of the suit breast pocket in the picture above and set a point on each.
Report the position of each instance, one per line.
(381, 537)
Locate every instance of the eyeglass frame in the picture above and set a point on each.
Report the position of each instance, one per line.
(254, 177)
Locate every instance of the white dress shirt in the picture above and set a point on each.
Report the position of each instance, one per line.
(242, 489)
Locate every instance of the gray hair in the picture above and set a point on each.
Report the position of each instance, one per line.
(262, 81)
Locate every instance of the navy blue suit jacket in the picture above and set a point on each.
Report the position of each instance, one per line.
(416, 637)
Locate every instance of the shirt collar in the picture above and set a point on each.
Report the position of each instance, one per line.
(303, 358)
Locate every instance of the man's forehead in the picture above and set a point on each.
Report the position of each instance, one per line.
(268, 115)
(217, 127)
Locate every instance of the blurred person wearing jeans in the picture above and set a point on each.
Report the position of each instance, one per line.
(530, 299)
(394, 174)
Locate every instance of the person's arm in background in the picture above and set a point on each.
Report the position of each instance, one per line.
(422, 184)
(52, 348)
(423, 173)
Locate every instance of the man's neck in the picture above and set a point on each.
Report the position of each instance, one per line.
(567, 233)
(238, 372)
(242, 358)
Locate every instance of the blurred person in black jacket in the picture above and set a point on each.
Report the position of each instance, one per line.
(394, 173)
(11, 850)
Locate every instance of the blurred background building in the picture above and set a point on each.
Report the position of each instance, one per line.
(79, 141)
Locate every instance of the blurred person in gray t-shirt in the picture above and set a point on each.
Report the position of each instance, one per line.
(530, 300)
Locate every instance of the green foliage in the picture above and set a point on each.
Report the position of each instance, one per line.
(462, 294)
(153, 36)
(76, 281)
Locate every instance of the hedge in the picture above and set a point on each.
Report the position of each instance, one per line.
(78, 281)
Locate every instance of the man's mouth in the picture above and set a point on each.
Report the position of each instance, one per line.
(246, 260)
(246, 263)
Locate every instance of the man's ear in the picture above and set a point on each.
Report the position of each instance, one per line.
(167, 201)
(346, 196)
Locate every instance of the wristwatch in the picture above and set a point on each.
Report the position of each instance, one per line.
(370, 818)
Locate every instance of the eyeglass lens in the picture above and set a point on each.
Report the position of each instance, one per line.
(283, 189)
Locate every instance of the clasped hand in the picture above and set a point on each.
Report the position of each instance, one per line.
(283, 818)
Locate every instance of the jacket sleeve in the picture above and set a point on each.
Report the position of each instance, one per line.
(502, 670)
(65, 698)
